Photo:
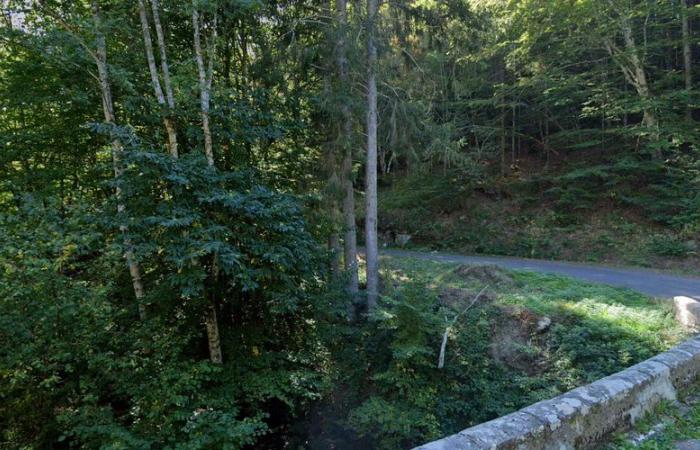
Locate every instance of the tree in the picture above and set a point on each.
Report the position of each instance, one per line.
(630, 62)
(205, 75)
(205, 79)
(100, 56)
(687, 52)
(350, 235)
(158, 91)
(371, 241)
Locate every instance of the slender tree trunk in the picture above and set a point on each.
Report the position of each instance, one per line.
(153, 69)
(205, 80)
(372, 250)
(631, 65)
(334, 246)
(204, 85)
(687, 53)
(163, 55)
(501, 100)
(165, 68)
(213, 338)
(117, 150)
(512, 137)
(350, 238)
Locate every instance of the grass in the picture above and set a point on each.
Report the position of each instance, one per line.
(595, 330)
(674, 425)
(391, 393)
(641, 317)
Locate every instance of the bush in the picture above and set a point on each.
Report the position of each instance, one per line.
(666, 245)
(78, 367)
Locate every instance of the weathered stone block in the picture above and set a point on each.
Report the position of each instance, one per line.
(687, 311)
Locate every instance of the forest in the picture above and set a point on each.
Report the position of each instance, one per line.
(196, 198)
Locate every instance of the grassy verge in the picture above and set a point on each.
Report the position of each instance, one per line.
(528, 337)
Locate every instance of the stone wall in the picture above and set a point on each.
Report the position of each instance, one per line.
(584, 416)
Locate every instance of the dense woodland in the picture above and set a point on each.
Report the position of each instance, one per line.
(184, 187)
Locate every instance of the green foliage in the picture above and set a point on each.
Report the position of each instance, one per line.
(668, 245)
(401, 407)
(504, 127)
(78, 368)
(393, 394)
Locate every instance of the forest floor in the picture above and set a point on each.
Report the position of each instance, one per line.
(508, 219)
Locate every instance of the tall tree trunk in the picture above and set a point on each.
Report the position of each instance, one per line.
(632, 67)
(350, 237)
(372, 250)
(640, 76)
(153, 69)
(117, 150)
(501, 76)
(687, 53)
(163, 55)
(204, 84)
(334, 247)
(165, 68)
(205, 80)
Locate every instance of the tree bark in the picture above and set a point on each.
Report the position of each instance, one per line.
(350, 235)
(163, 55)
(153, 69)
(372, 250)
(501, 75)
(687, 53)
(117, 150)
(632, 68)
(334, 247)
(165, 68)
(205, 78)
(204, 84)
(213, 338)
(640, 75)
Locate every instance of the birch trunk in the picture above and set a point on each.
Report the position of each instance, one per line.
(632, 68)
(163, 56)
(350, 237)
(153, 69)
(687, 53)
(204, 85)
(205, 78)
(640, 76)
(165, 68)
(372, 251)
(117, 150)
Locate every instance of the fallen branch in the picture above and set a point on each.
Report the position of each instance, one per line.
(443, 345)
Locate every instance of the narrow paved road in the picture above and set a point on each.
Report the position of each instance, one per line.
(646, 281)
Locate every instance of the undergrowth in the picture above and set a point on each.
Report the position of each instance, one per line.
(529, 337)
(541, 217)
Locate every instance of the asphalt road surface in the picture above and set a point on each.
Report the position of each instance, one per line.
(646, 281)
